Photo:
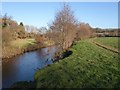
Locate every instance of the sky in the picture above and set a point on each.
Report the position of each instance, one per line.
(40, 14)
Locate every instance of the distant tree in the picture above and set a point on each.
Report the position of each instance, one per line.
(7, 35)
(21, 23)
(84, 31)
(20, 29)
(5, 20)
(42, 29)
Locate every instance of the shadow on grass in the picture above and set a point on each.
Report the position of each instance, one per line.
(22, 85)
(66, 54)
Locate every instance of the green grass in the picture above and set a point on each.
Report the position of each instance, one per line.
(22, 43)
(16, 47)
(23, 85)
(109, 41)
(88, 66)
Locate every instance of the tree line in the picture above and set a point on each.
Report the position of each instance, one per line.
(65, 28)
(11, 30)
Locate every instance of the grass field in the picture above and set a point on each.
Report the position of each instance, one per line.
(16, 47)
(109, 41)
(22, 43)
(19, 46)
(88, 66)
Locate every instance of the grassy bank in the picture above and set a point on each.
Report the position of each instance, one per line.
(109, 41)
(16, 47)
(22, 43)
(20, 46)
(88, 66)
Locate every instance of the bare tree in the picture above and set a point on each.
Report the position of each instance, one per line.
(64, 27)
(84, 31)
(5, 20)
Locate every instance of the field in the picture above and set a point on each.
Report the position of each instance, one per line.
(109, 41)
(89, 66)
(16, 47)
(22, 43)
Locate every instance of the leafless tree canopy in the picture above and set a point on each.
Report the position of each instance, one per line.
(84, 31)
(64, 27)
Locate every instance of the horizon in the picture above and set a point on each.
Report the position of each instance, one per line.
(97, 14)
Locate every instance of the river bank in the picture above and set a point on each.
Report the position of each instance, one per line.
(23, 67)
(17, 51)
(21, 46)
(88, 65)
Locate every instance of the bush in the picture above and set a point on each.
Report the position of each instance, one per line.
(6, 35)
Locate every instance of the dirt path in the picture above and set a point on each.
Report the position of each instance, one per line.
(107, 47)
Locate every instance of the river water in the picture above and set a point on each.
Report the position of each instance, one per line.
(23, 67)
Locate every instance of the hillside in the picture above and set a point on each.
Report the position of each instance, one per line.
(89, 66)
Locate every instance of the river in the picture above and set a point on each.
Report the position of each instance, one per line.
(23, 67)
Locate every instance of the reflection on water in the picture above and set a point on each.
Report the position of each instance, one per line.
(23, 67)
